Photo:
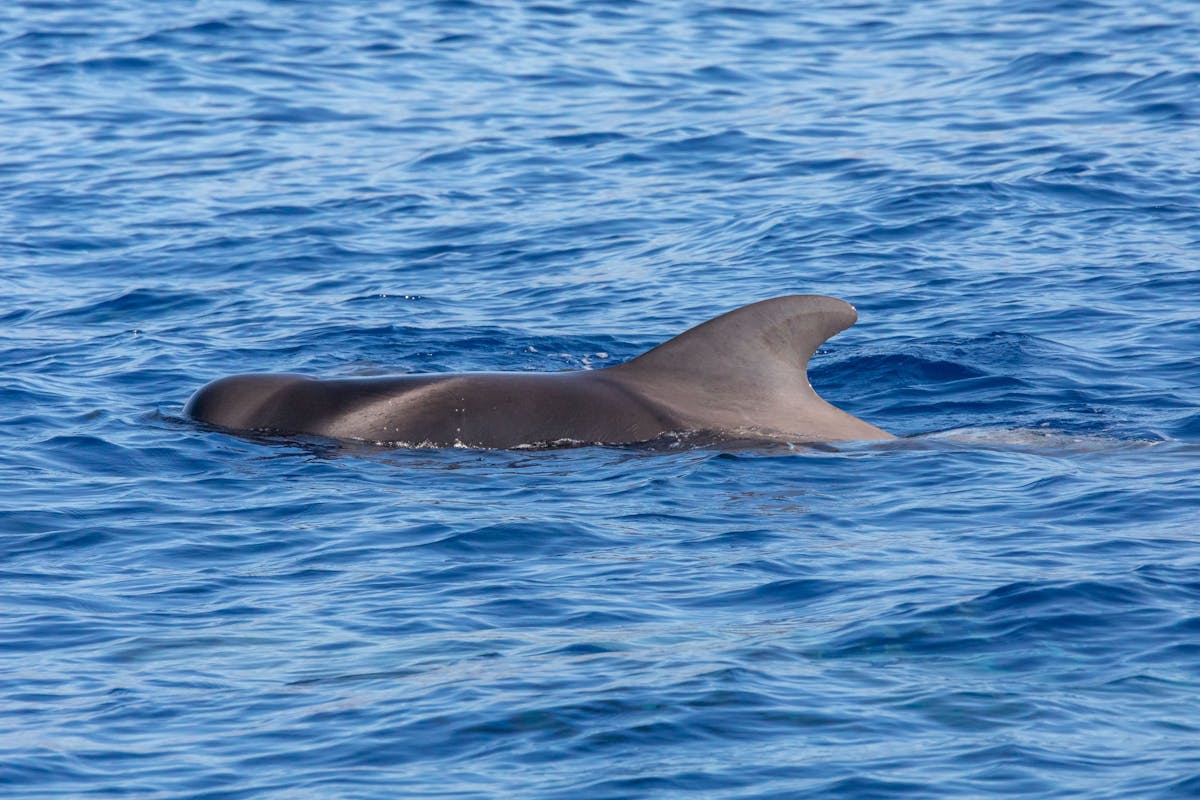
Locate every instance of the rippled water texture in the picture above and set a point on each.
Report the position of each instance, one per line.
(1003, 602)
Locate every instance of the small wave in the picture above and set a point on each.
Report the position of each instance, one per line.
(1045, 438)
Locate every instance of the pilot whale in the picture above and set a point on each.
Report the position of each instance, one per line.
(743, 374)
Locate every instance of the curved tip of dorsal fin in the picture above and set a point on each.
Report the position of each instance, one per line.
(768, 342)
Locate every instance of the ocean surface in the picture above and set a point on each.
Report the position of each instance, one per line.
(1004, 602)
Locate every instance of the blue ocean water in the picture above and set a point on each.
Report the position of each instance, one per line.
(1004, 602)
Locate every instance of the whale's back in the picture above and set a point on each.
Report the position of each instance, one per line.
(743, 373)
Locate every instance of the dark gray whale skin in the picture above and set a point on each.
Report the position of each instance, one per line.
(743, 374)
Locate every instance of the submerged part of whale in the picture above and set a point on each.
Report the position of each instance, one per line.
(743, 374)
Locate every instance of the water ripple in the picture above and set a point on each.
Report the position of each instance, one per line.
(1001, 602)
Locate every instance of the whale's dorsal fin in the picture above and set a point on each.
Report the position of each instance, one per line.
(747, 368)
(762, 343)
